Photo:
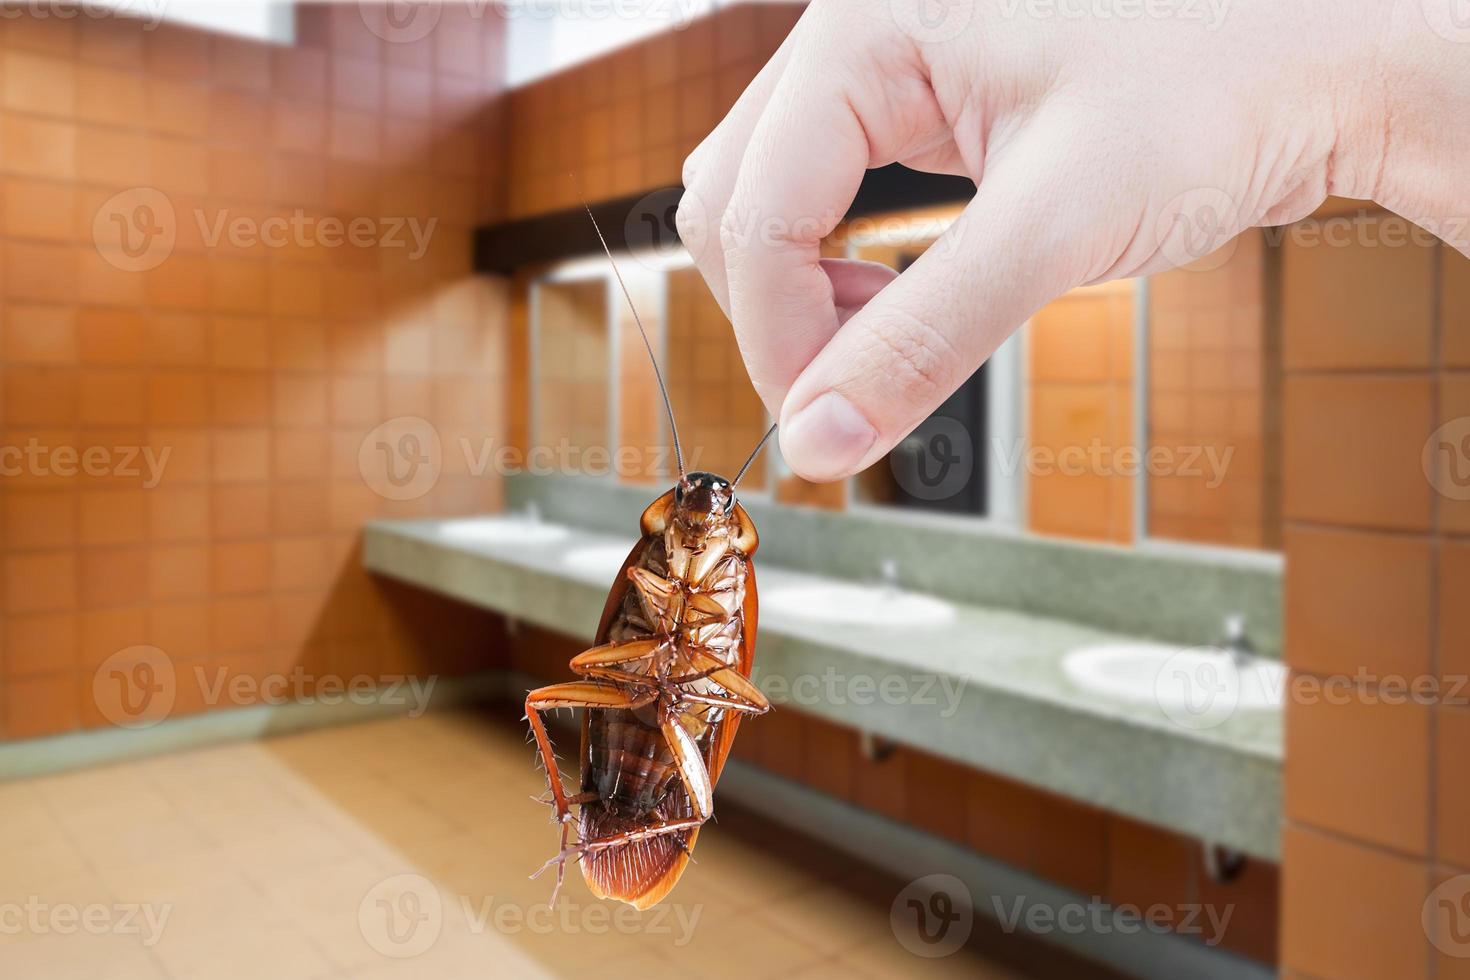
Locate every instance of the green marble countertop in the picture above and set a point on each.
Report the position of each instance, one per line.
(986, 688)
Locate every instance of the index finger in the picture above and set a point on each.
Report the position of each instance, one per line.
(799, 174)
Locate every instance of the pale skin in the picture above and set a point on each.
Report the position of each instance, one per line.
(1101, 146)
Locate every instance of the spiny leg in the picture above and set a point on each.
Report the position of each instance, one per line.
(662, 599)
(741, 693)
(616, 654)
(574, 694)
(732, 703)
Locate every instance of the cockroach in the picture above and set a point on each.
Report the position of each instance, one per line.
(665, 686)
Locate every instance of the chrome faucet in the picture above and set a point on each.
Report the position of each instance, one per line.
(888, 574)
(1234, 641)
(533, 513)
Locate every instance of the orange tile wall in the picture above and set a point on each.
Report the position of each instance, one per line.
(260, 368)
(623, 124)
(1214, 382)
(1376, 358)
(1079, 386)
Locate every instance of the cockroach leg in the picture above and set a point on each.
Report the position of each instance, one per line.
(575, 694)
(690, 763)
(732, 703)
(612, 654)
(587, 796)
(662, 599)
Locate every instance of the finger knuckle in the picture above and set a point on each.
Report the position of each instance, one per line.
(689, 173)
(916, 355)
(689, 217)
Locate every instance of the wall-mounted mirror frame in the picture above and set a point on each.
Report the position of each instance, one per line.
(653, 268)
(1007, 425)
(1007, 419)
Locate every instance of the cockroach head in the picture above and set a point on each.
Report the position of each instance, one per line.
(701, 498)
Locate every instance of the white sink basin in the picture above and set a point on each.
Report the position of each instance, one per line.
(600, 561)
(1197, 687)
(502, 530)
(856, 605)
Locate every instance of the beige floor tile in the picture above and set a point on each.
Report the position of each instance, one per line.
(129, 842)
(31, 870)
(746, 875)
(263, 855)
(741, 946)
(827, 918)
(234, 953)
(122, 788)
(26, 821)
(886, 958)
(80, 957)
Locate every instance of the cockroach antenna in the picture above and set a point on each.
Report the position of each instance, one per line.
(648, 345)
(753, 454)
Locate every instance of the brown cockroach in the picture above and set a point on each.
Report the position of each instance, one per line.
(664, 688)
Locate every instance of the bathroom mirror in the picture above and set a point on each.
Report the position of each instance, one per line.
(1140, 412)
(596, 408)
(571, 360)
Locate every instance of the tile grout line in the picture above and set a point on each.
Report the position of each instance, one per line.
(1436, 545)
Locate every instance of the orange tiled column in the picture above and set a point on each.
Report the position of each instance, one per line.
(1376, 349)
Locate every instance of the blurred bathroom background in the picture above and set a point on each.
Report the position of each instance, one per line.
(289, 293)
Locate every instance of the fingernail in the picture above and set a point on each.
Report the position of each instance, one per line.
(827, 439)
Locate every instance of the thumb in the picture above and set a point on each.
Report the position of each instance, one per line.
(1013, 249)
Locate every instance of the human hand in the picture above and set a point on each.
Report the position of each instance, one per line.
(1101, 148)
